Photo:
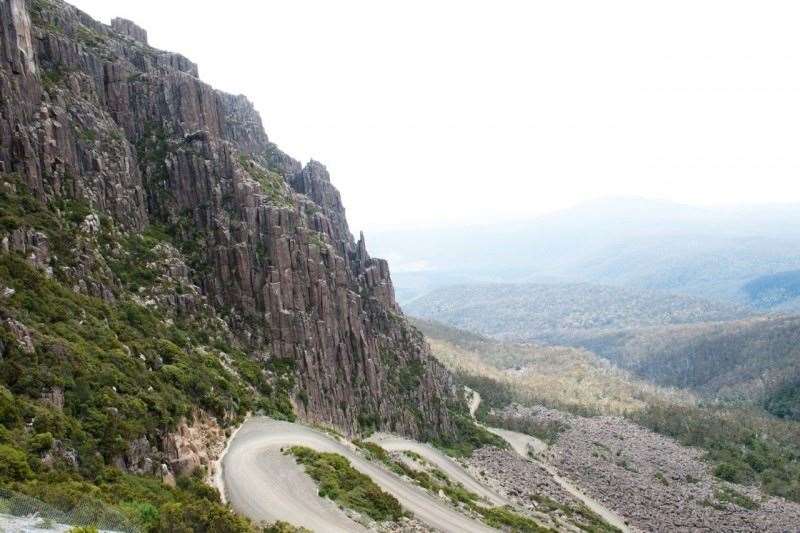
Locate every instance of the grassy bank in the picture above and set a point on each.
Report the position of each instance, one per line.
(345, 485)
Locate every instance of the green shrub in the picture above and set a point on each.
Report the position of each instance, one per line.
(144, 514)
(195, 486)
(41, 442)
(730, 472)
(9, 413)
(272, 183)
(14, 464)
(284, 527)
(115, 398)
(342, 483)
(506, 517)
(374, 450)
(90, 350)
(200, 517)
(468, 437)
(726, 494)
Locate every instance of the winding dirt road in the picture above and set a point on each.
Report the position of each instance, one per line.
(522, 444)
(265, 485)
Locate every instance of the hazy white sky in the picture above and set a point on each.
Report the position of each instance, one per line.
(442, 112)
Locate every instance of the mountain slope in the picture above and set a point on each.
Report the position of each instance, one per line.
(751, 359)
(774, 291)
(563, 377)
(740, 443)
(556, 312)
(165, 268)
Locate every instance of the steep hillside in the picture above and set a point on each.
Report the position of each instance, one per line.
(563, 377)
(774, 291)
(737, 443)
(555, 312)
(752, 359)
(165, 269)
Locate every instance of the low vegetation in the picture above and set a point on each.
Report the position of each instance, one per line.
(272, 183)
(433, 480)
(726, 494)
(284, 527)
(469, 437)
(83, 347)
(345, 485)
(581, 516)
(506, 518)
(121, 502)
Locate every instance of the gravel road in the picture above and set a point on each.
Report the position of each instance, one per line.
(263, 484)
(522, 443)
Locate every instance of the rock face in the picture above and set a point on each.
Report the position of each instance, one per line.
(129, 28)
(91, 113)
(194, 445)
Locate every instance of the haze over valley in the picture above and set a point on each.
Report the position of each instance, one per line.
(745, 256)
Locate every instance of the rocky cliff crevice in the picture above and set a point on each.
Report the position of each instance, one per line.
(91, 113)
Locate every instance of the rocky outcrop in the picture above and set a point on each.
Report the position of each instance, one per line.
(21, 334)
(129, 28)
(90, 113)
(33, 244)
(193, 446)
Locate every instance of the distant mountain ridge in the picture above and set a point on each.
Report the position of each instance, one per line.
(710, 253)
(553, 313)
(774, 290)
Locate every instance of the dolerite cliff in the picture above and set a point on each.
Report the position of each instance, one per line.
(131, 182)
